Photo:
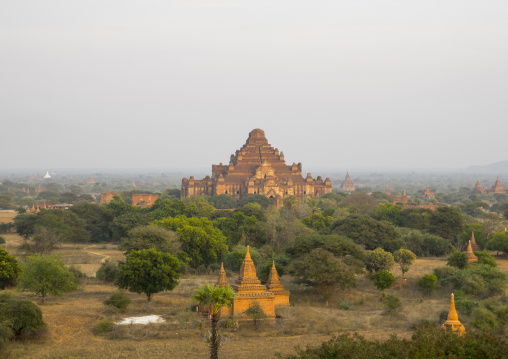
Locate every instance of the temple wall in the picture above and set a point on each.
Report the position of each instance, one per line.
(240, 305)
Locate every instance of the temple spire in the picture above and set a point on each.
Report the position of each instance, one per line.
(469, 253)
(452, 321)
(222, 281)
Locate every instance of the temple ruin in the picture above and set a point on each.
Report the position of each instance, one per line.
(257, 168)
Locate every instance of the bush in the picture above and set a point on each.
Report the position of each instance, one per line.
(23, 316)
(118, 300)
(78, 275)
(464, 304)
(458, 260)
(484, 319)
(9, 269)
(379, 259)
(391, 303)
(108, 272)
(2, 240)
(485, 258)
(384, 280)
(104, 326)
(427, 282)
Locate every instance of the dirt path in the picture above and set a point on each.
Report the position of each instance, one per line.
(104, 257)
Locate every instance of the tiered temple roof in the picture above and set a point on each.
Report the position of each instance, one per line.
(274, 285)
(427, 193)
(257, 168)
(478, 187)
(497, 187)
(347, 184)
(474, 245)
(452, 321)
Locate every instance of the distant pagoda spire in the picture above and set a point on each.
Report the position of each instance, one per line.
(452, 321)
(222, 281)
(469, 253)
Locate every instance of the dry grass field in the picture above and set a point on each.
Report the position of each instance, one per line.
(7, 216)
(310, 320)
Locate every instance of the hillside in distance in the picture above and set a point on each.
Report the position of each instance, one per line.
(496, 167)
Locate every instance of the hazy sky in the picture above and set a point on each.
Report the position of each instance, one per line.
(172, 84)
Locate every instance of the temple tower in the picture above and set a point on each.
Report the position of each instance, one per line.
(497, 187)
(427, 193)
(452, 322)
(274, 285)
(347, 184)
(469, 253)
(249, 289)
(478, 187)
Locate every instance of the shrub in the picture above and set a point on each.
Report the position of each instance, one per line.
(23, 316)
(6, 334)
(9, 269)
(484, 319)
(458, 260)
(485, 258)
(391, 303)
(2, 240)
(345, 305)
(78, 275)
(108, 272)
(384, 280)
(427, 282)
(464, 304)
(104, 326)
(118, 300)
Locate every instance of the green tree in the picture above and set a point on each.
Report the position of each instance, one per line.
(148, 271)
(499, 242)
(369, 232)
(43, 275)
(146, 237)
(360, 203)
(44, 241)
(387, 212)
(416, 218)
(239, 228)
(215, 298)
(320, 268)
(223, 201)
(446, 222)
(317, 222)
(233, 260)
(425, 244)
(378, 260)
(23, 317)
(405, 258)
(457, 259)
(9, 269)
(255, 198)
(255, 312)
(202, 243)
(383, 280)
(96, 220)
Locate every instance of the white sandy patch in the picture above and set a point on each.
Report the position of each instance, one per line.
(142, 320)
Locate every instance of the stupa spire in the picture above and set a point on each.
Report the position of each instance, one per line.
(452, 321)
(469, 253)
(222, 281)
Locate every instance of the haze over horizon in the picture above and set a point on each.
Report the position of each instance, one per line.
(180, 84)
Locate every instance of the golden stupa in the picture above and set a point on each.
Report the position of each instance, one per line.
(452, 322)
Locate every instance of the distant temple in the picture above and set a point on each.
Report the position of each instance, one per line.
(90, 180)
(107, 197)
(47, 176)
(496, 188)
(471, 257)
(478, 187)
(452, 321)
(402, 199)
(249, 289)
(474, 245)
(347, 184)
(257, 168)
(427, 194)
(144, 200)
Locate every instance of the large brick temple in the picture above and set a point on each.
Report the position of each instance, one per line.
(257, 168)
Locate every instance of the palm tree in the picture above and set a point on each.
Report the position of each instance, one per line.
(215, 298)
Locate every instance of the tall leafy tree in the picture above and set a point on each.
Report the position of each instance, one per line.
(446, 222)
(320, 268)
(148, 271)
(146, 237)
(215, 298)
(9, 269)
(378, 260)
(369, 232)
(202, 243)
(43, 275)
(405, 258)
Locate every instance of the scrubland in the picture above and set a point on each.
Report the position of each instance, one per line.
(72, 320)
